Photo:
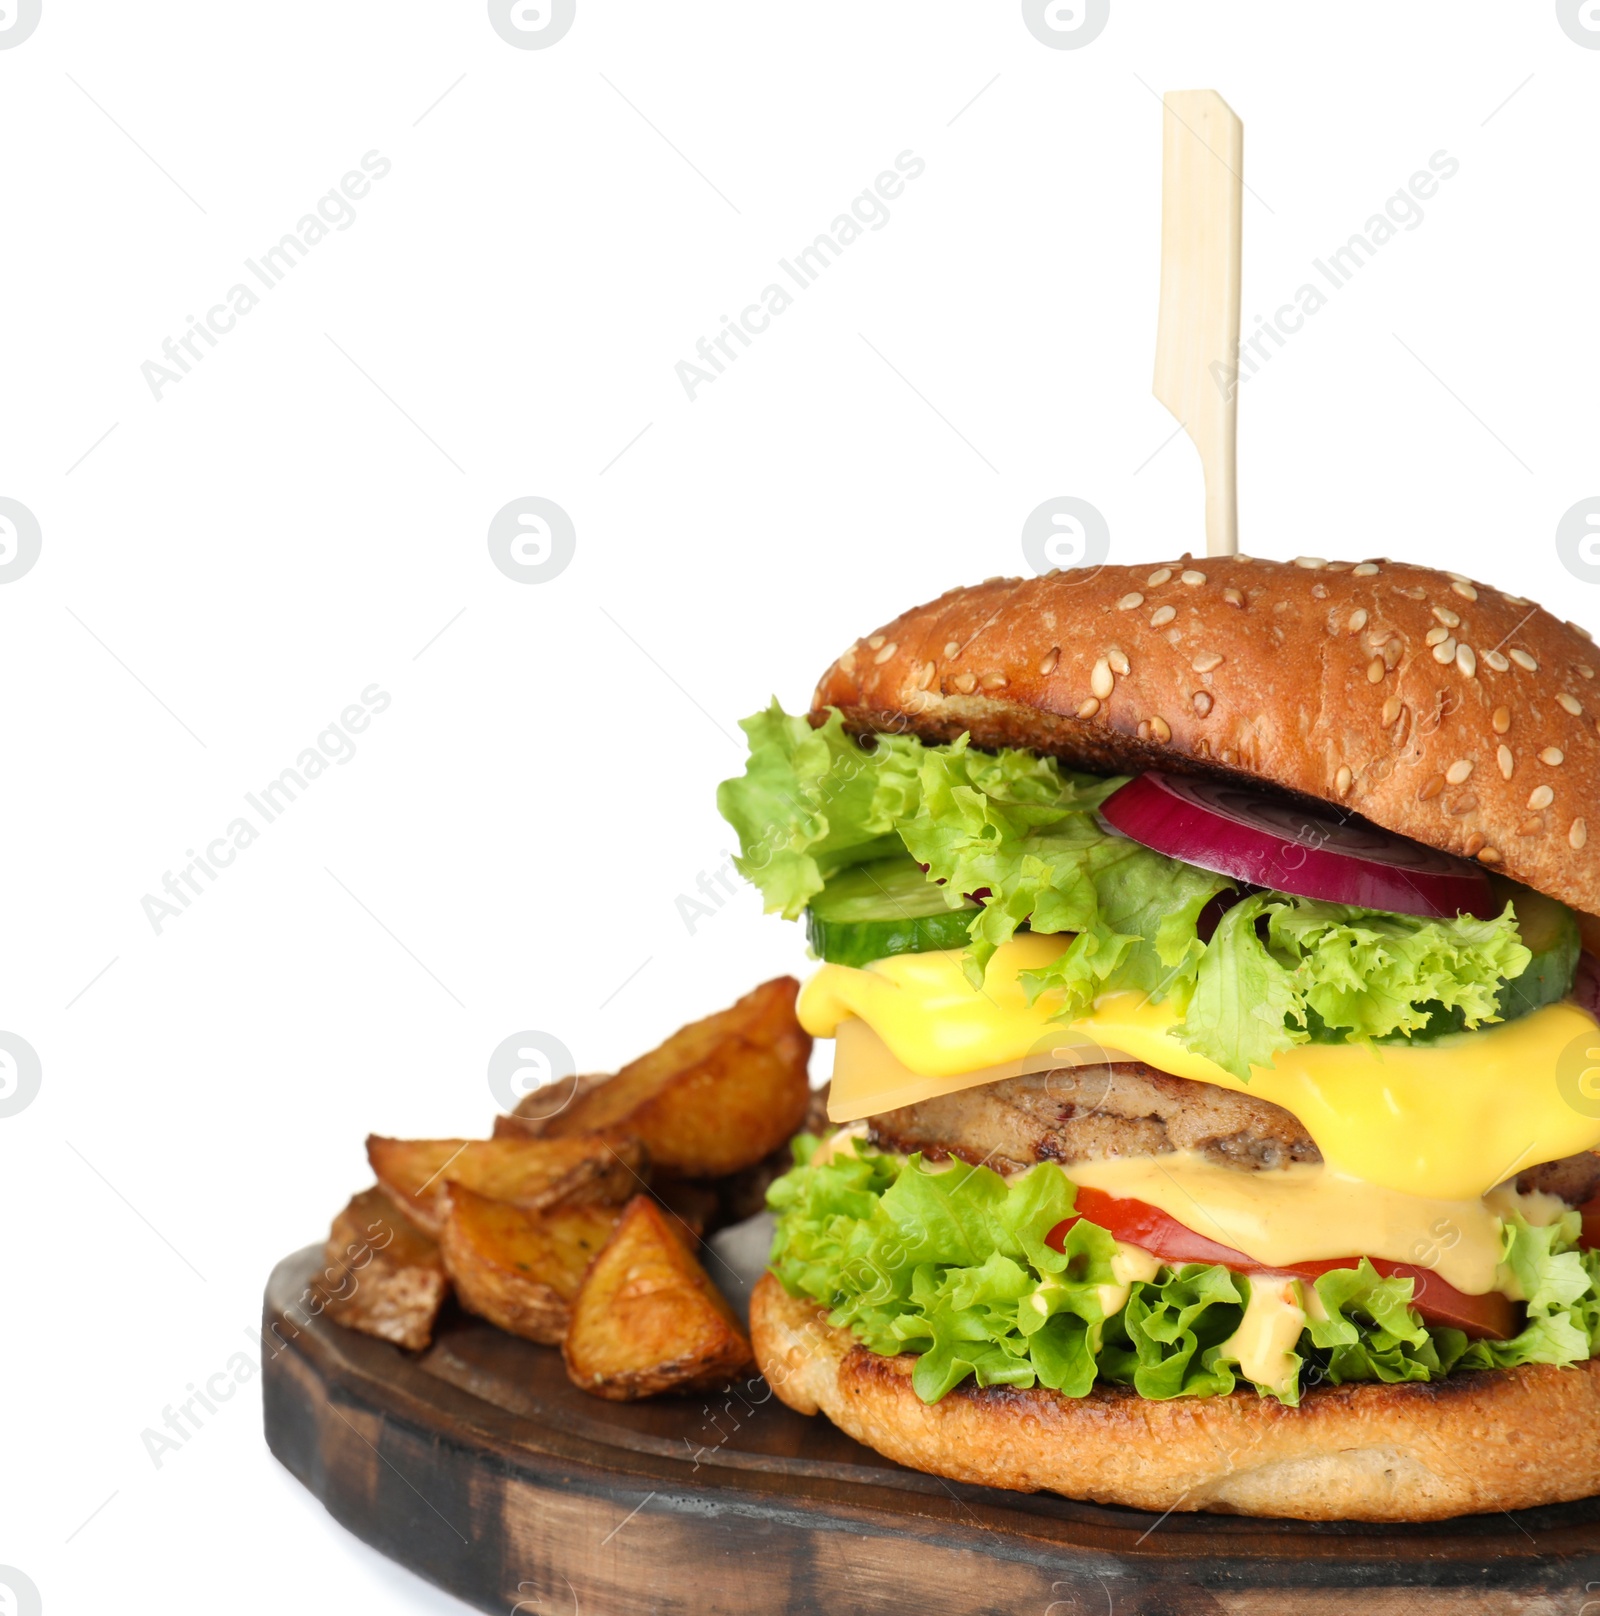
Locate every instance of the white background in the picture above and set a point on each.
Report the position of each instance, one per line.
(233, 564)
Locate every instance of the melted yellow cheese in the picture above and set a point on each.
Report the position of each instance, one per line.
(1308, 1214)
(1263, 1345)
(1447, 1120)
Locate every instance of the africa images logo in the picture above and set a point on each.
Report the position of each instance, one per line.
(530, 24)
(532, 540)
(18, 19)
(20, 539)
(1580, 21)
(1066, 24)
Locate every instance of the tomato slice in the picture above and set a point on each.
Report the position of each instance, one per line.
(1139, 1224)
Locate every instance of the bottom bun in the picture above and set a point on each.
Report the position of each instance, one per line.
(1501, 1439)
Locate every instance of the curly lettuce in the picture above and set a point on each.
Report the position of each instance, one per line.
(1277, 971)
(1280, 969)
(952, 1266)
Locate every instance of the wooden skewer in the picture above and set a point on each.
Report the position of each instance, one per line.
(1197, 342)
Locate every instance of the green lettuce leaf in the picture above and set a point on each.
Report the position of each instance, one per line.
(951, 1265)
(1367, 974)
(1561, 1286)
(811, 802)
(1277, 971)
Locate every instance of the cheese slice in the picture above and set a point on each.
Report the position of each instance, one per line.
(1450, 1119)
(1307, 1213)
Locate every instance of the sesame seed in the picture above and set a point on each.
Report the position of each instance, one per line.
(1476, 843)
(1162, 616)
(1516, 600)
(1162, 575)
(1088, 708)
(876, 642)
(1524, 661)
(1501, 720)
(1578, 835)
(1467, 661)
(952, 648)
(1445, 652)
(1554, 756)
(1358, 621)
(1437, 636)
(1541, 799)
(1489, 855)
(1447, 617)
(1496, 661)
(1508, 764)
(1571, 703)
(1375, 671)
(1458, 577)
(1100, 680)
(1459, 772)
(993, 681)
(1192, 578)
(887, 652)
(1161, 729)
(1118, 660)
(1365, 570)
(925, 675)
(1206, 661)
(966, 683)
(1393, 650)
(1578, 628)
(1531, 827)
(1052, 656)
(1343, 780)
(1462, 805)
(847, 663)
(1131, 602)
(1431, 789)
(1392, 709)
(1464, 589)
(1586, 670)
(1233, 597)
(1202, 702)
(1310, 563)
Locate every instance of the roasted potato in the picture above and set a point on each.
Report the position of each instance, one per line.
(538, 1109)
(603, 1167)
(521, 1269)
(716, 1097)
(648, 1319)
(384, 1275)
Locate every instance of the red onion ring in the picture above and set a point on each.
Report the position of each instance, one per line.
(1311, 852)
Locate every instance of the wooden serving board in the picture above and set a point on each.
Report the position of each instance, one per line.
(479, 1466)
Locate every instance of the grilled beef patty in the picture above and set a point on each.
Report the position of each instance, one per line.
(1087, 1113)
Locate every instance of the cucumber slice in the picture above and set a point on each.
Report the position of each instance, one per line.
(887, 907)
(1549, 932)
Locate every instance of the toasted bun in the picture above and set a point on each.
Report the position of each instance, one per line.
(1315, 677)
(1506, 1439)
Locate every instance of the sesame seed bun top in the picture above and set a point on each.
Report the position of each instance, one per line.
(1439, 708)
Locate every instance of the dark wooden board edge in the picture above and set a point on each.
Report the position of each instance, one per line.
(515, 1517)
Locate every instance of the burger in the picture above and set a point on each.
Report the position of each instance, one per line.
(1208, 953)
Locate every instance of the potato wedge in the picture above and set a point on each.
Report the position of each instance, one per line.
(648, 1319)
(603, 1167)
(384, 1275)
(538, 1109)
(716, 1097)
(521, 1269)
